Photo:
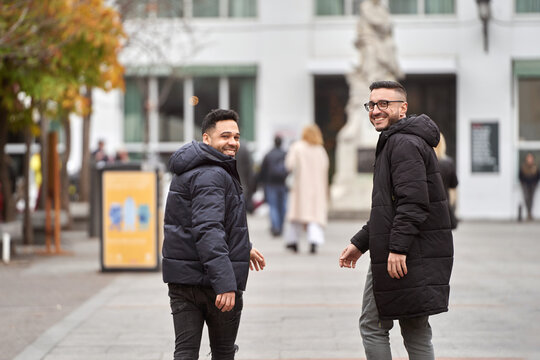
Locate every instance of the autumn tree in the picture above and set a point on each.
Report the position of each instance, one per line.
(51, 53)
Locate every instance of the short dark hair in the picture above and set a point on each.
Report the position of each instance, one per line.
(216, 115)
(387, 84)
(277, 141)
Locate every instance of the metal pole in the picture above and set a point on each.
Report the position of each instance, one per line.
(6, 247)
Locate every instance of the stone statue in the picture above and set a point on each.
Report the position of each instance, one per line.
(377, 61)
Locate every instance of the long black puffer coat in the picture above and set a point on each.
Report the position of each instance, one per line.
(206, 240)
(409, 215)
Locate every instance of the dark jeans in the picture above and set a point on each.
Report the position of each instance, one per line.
(528, 195)
(276, 197)
(191, 307)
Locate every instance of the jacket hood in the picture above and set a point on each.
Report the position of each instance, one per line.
(195, 154)
(420, 125)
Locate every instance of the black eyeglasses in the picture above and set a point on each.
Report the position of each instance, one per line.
(381, 104)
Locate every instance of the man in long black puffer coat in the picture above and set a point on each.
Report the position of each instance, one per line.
(206, 251)
(408, 233)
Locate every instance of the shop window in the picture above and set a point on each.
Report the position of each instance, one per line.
(134, 101)
(171, 109)
(242, 100)
(206, 89)
(207, 84)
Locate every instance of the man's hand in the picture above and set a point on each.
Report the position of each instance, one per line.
(397, 267)
(349, 256)
(225, 302)
(256, 260)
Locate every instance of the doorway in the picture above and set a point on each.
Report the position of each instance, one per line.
(331, 96)
(435, 96)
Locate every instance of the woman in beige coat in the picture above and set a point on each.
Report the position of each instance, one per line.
(307, 162)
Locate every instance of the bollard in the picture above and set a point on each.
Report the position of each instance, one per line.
(6, 242)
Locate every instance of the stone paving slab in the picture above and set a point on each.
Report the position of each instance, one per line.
(304, 306)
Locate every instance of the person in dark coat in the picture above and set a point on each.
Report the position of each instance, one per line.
(408, 232)
(272, 176)
(244, 165)
(206, 248)
(529, 175)
(449, 178)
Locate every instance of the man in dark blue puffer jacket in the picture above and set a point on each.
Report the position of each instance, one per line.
(408, 233)
(206, 249)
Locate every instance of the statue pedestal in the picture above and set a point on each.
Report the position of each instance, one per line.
(353, 181)
(356, 141)
(352, 195)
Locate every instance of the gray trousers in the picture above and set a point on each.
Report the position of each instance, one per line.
(416, 332)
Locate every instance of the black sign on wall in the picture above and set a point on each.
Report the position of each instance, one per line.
(485, 147)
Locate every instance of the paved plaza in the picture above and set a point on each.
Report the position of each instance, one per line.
(300, 307)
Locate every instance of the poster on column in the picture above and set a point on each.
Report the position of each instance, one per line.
(485, 147)
(129, 225)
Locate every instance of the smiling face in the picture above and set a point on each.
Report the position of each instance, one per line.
(383, 119)
(224, 137)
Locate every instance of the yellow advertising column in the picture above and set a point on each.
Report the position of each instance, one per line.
(129, 220)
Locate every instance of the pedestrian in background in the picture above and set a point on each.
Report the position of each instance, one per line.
(307, 162)
(272, 176)
(244, 165)
(449, 178)
(206, 248)
(408, 232)
(529, 175)
(100, 154)
(122, 156)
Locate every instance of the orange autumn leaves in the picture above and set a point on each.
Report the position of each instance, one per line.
(51, 49)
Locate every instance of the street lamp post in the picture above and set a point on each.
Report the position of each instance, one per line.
(484, 13)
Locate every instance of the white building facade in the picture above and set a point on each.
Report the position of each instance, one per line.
(282, 64)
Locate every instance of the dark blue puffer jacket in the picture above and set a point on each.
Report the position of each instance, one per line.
(206, 240)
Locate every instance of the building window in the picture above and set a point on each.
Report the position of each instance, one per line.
(337, 7)
(415, 7)
(242, 99)
(134, 112)
(171, 109)
(138, 9)
(527, 6)
(527, 74)
(330, 7)
(397, 7)
(527, 77)
(242, 8)
(206, 89)
(131, 9)
(174, 120)
(529, 108)
(170, 8)
(205, 8)
(439, 6)
(403, 6)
